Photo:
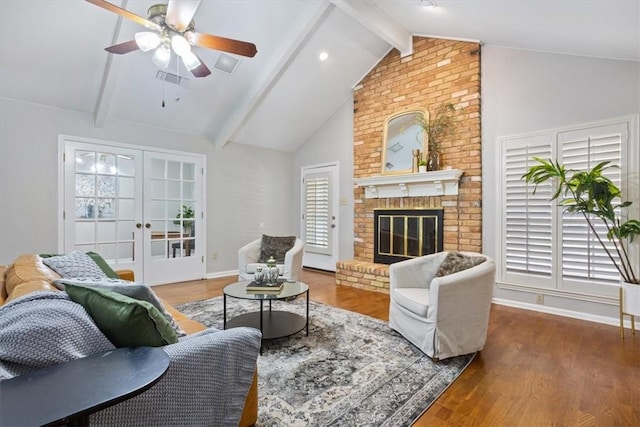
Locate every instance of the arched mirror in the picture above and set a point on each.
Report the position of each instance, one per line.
(403, 134)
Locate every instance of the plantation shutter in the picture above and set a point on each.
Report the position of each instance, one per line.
(582, 255)
(317, 211)
(527, 221)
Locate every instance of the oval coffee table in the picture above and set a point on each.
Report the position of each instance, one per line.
(272, 323)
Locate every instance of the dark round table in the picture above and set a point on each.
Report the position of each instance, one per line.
(272, 323)
(69, 392)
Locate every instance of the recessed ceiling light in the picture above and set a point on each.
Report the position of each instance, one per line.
(323, 55)
(427, 3)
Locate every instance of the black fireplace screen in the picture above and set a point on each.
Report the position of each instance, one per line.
(406, 233)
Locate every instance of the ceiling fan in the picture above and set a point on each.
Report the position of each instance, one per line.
(174, 30)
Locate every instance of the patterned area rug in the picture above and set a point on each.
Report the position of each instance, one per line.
(352, 370)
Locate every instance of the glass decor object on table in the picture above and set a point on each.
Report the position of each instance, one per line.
(258, 276)
(272, 271)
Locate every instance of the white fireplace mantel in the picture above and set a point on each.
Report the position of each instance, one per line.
(436, 183)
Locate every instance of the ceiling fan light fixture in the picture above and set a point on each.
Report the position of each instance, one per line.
(146, 40)
(180, 45)
(190, 61)
(162, 56)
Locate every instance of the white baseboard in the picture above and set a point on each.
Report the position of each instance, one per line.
(219, 274)
(605, 320)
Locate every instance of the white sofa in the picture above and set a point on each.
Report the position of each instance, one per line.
(443, 316)
(249, 254)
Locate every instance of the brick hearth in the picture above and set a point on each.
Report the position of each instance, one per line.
(363, 275)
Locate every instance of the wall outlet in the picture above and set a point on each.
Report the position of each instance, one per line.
(214, 255)
(539, 299)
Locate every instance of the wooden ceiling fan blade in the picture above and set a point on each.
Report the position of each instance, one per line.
(180, 13)
(121, 48)
(125, 14)
(201, 70)
(221, 43)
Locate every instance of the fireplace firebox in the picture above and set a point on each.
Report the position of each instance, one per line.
(402, 234)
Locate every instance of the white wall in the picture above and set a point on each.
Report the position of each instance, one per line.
(248, 189)
(524, 91)
(332, 142)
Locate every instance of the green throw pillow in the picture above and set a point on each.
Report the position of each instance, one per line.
(125, 321)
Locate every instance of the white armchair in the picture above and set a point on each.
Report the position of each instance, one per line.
(249, 254)
(443, 316)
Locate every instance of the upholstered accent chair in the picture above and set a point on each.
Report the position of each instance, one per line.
(441, 302)
(256, 253)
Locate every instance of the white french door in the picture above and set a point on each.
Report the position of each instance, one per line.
(173, 218)
(319, 221)
(129, 205)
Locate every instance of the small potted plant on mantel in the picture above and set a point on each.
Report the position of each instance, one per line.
(438, 129)
(595, 196)
(422, 165)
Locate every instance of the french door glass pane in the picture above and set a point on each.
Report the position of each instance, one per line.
(125, 230)
(106, 231)
(107, 250)
(126, 209)
(126, 187)
(125, 165)
(85, 232)
(124, 250)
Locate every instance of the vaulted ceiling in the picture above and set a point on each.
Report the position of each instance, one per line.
(52, 53)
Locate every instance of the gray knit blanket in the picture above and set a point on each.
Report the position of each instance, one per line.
(206, 384)
(45, 328)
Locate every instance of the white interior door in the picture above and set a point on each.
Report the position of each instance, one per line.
(139, 209)
(173, 223)
(319, 221)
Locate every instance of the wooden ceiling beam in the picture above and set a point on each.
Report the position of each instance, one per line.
(378, 22)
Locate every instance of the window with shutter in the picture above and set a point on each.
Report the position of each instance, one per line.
(542, 245)
(583, 258)
(317, 212)
(527, 233)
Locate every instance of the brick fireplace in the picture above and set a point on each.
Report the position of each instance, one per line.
(438, 71)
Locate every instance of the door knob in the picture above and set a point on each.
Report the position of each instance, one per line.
(138, 225)
(147, 225)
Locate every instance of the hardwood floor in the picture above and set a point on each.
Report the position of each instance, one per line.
(535, 370)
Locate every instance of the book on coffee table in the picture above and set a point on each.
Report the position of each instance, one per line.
(264, 288)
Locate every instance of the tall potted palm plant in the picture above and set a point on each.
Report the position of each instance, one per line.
(594, 196)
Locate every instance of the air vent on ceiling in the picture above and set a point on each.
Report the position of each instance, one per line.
(172, 78)
(226, 63)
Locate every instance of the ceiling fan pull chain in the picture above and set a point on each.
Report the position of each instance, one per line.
(163, 81)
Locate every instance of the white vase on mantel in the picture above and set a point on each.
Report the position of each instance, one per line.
(630, 298)
(422, 168)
